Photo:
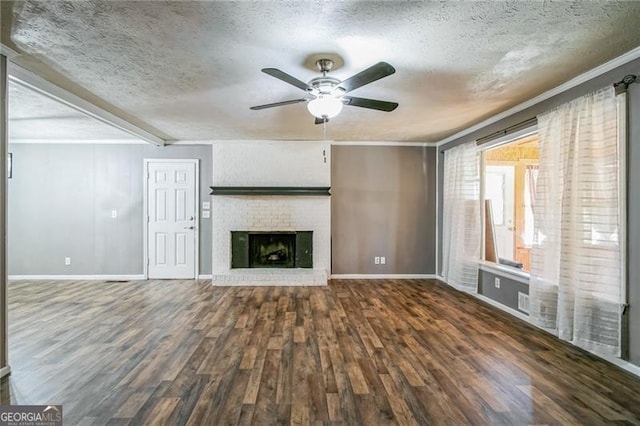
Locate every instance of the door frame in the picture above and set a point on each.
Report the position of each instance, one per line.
(145, 211)
(513, 165)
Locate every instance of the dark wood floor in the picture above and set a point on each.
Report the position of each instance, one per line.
(355, 352)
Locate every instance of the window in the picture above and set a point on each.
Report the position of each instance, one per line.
(510, 172)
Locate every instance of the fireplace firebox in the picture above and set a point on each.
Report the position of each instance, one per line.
(277, 249)
(272, 250)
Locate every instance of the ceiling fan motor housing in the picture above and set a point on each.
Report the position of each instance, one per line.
(324, 65)
(325, 86)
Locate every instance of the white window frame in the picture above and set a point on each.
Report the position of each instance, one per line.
(521, 276)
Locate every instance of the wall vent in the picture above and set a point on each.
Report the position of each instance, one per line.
(523, 302)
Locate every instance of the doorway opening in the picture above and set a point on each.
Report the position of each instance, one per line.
(510, 177)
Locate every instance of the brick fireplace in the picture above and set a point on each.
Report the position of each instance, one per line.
(271, 164)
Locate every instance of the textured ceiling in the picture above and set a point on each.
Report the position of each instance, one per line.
(34, 116)
(191, 70)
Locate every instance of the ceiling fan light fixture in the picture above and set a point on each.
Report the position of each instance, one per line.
(326, 95)
(325, 106)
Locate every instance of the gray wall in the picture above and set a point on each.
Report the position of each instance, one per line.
(60, 202)
(383, 204)
(507, 294)
(632, 347)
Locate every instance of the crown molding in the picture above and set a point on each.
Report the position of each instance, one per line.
(78, 141)
(337, 143)
(576, 81)
(190, 142)
(249, 141)
(385, 143)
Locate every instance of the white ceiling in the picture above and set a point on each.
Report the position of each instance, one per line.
(35, 116)
(191, 70)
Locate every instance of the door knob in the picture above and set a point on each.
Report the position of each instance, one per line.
(190, 227)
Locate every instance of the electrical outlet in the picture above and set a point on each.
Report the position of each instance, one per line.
(114, 214)
(206, 214)
(376, 260)
(67, 261)
(206, 205)
(497, 282)
(383, 260)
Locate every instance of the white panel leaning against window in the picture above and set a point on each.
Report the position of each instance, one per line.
(461, 217)
(576, 287)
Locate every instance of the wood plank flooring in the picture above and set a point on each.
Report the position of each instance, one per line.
(411, 352)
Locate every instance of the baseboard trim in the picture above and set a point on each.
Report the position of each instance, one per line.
(625, 365)
(205, 276)
(79, 277)
(5, 371)
(383, 276)
(524, 317)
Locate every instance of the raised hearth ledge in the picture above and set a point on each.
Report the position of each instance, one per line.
(271, 190)
(271, 277)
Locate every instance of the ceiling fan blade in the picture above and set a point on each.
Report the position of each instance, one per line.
(370, 103)
(321, 120)
(277, 104)
(281, 75)
(371, 74)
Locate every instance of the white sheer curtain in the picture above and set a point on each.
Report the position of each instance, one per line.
(576, 274)
(530, 179)
(461, 217)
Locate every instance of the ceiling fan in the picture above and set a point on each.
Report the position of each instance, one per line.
(326, 95)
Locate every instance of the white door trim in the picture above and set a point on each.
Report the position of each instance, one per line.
(145, 210)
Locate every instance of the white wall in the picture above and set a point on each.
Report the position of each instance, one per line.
(271, 163)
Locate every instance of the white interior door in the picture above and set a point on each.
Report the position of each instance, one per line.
(171, 218)
(500, 189)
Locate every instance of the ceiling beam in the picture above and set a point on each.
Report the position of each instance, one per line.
(30, 80)
(7, 51)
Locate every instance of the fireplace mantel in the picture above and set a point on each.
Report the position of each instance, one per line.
(271, 190)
